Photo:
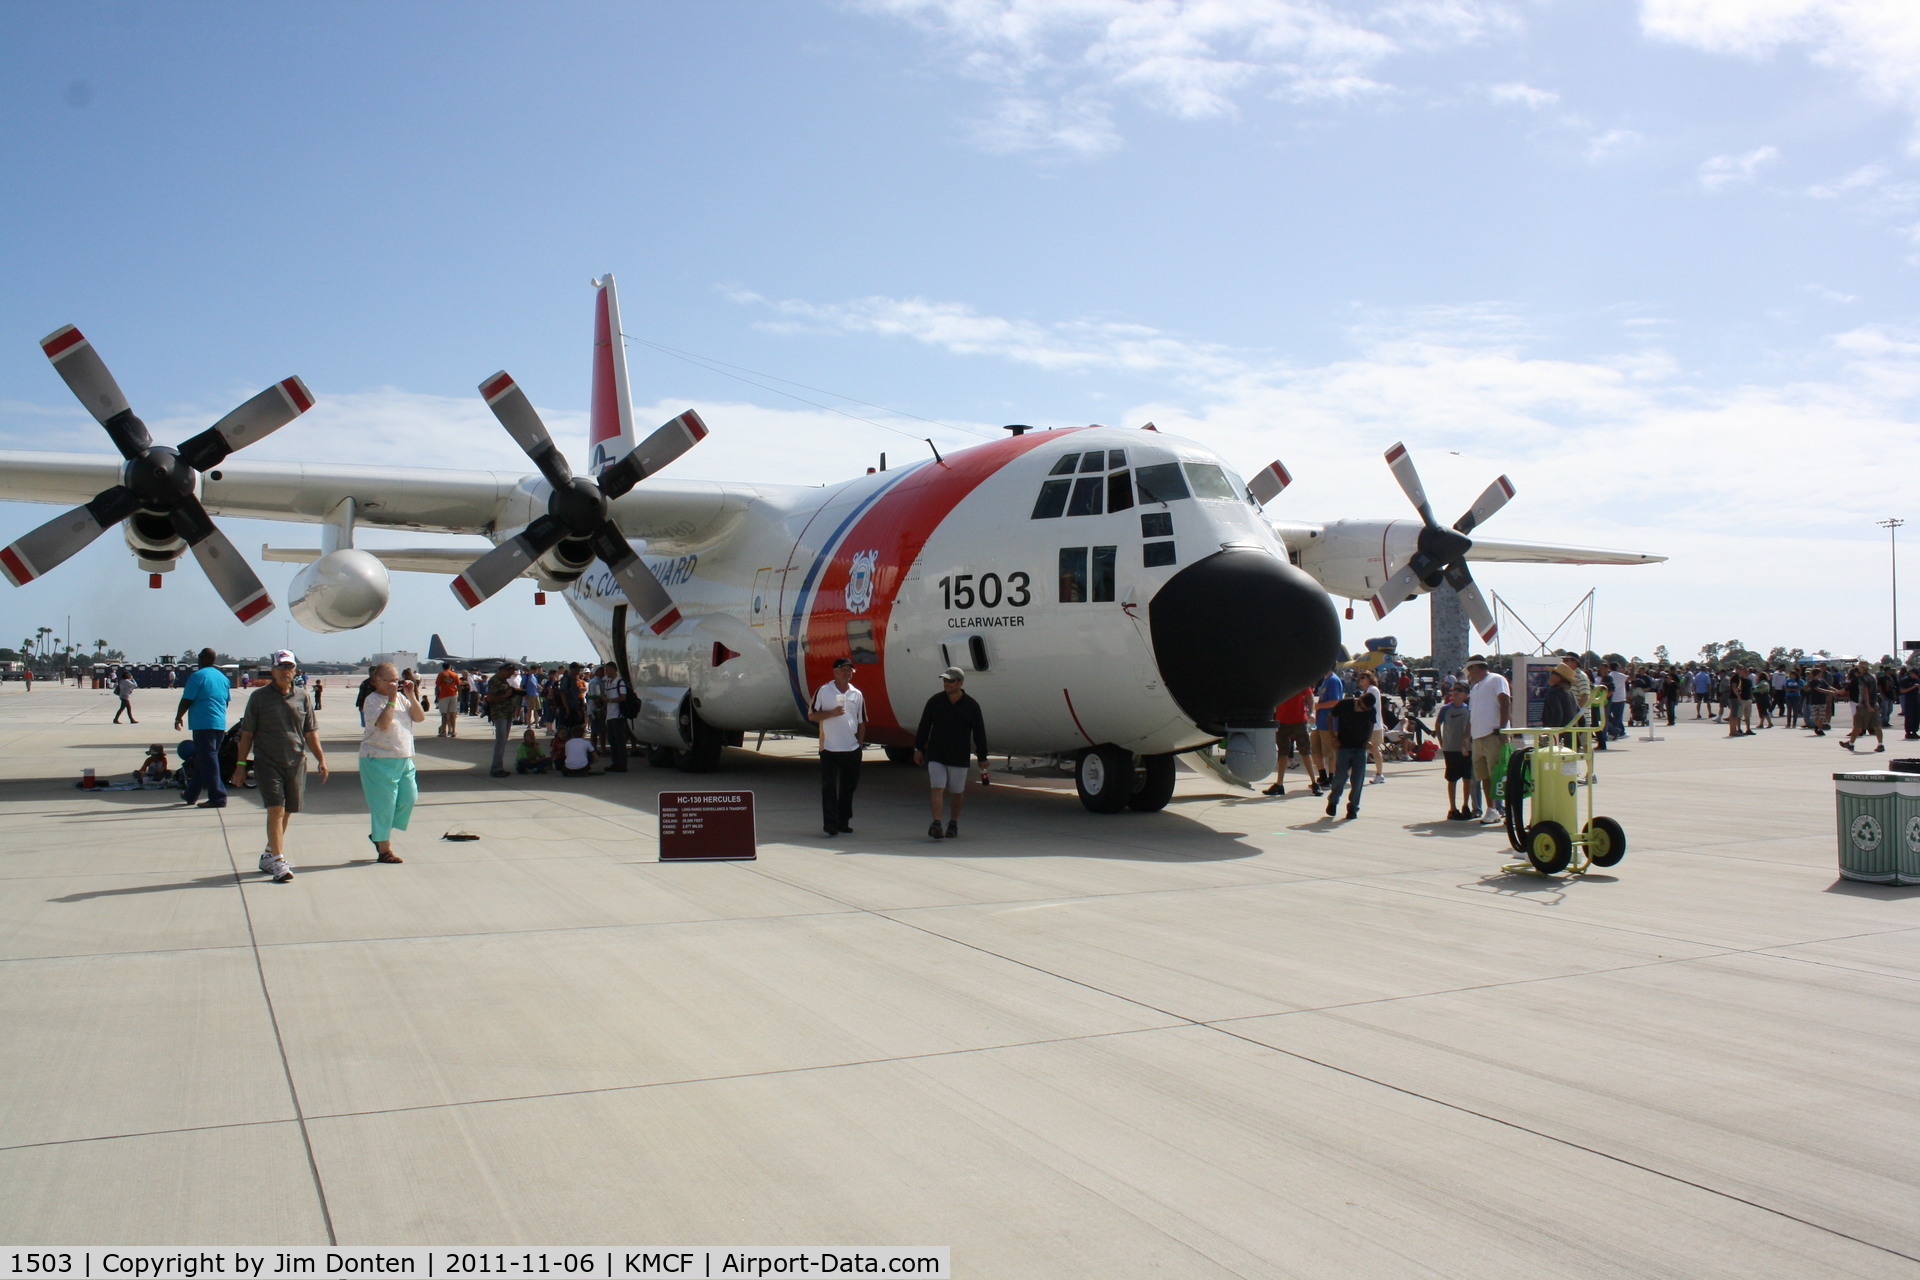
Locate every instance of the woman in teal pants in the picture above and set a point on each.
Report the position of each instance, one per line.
(386, 757)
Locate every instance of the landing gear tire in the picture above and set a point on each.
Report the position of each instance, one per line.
(1549, 848)
(1153, 784)
(1606, 842)
(1104, 777)
(661, 757)
(899, 755)
(708, 742)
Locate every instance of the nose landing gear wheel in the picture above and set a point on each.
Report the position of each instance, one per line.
(1104, 778)
(1606, 842)
(1549, 848)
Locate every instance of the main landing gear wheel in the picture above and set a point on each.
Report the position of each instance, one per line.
(1606, 842)
(661, 757)
(1104, 778)
(1549, 848)
(899, 755)
(704, 755)
(1153, 785)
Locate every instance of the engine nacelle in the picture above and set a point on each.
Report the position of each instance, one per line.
(564, 564)
(341, 590)
(151, 538)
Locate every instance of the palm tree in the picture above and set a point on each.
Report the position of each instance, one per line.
(98, 645)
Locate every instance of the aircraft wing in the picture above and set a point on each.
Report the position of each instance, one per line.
(1548, 553)
(669, 515)
(450, 560)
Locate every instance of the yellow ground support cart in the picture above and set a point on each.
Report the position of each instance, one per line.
(1546, 782)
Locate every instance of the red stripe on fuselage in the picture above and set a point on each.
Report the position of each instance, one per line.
(898, 527)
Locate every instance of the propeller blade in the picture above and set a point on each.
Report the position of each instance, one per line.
(1405, 582)
(1472, 601)
(653, 453)
(1495, 497)
(85, 374)
(59, 538)
(516, 413)
(1269, 484)
(494, 570)
(258, 418)
(1402, 463)
(644, 593)
(231, 575)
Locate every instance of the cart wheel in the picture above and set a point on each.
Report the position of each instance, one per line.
(1606, 842)
(1549, 848)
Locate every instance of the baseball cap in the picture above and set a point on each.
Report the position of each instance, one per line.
(955, 674)
(285, 658)
(842, 662)
(1476, 661)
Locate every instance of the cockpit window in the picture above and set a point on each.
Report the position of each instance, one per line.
(1161, 482)
(1116, 458)
(1086, 496)
(1095, 461)
(1053, 499)
(1210, 481)
(1066, 465)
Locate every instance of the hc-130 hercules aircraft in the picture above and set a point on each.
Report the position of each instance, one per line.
(1115, 596)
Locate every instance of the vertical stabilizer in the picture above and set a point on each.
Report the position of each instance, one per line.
(610, 436)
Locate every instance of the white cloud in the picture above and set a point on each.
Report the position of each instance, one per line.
(1875, 44)
(1611, 144)
(1724, 171)
(1056, 64)
(1522, 95)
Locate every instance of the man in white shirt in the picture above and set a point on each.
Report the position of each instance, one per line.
(841, 712)
(1616, 701)
(1489, 710)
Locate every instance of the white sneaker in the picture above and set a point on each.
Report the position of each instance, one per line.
(266, 863)
(1492, 819)
(281, 871)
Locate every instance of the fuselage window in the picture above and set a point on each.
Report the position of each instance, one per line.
(1073, 575)
(1066, 465)
(860, 641)
(1103, 565)
(1053, 499)
(1086, 496)
(1156, 554)
(1116, 458)
(1210, 481)
(1095, 461)
(977, 650)
(1156, 524)
(1119, 491)
(1161, 482)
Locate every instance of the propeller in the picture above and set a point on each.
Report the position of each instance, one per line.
(1441, 553)
(577, 507)
(1268, 484)
(157, 484)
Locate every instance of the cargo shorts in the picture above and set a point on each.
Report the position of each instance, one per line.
(282, 786)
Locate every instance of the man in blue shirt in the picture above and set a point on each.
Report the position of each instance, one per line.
(203, 705)
(1326, 747)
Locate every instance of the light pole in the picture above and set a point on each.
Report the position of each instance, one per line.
(1892, 525)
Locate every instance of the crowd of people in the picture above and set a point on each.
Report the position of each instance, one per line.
(1357, 714)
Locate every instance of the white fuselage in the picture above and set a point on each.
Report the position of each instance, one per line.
(934, 565)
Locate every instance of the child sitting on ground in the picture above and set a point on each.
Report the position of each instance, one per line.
(531, 759)
(153, 771)
(579, 753)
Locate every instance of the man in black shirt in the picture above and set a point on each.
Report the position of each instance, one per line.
(949, 724)
(1353, 730)
(1864, 691)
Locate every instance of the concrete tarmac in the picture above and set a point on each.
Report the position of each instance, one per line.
(1229, 1039)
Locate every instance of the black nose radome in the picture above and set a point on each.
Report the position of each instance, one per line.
(1237, 632)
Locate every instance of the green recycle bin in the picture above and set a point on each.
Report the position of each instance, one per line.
(1878, 821)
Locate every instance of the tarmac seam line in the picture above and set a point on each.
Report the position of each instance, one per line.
(1570, 1143)
(279, 1040)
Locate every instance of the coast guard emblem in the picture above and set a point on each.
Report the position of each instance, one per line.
(860, 581)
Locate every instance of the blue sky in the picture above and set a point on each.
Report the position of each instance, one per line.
(1656, 260)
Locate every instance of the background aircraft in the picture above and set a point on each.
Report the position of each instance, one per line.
(437, 652)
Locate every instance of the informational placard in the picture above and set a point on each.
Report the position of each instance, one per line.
(1529, 688)
(706, 826)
